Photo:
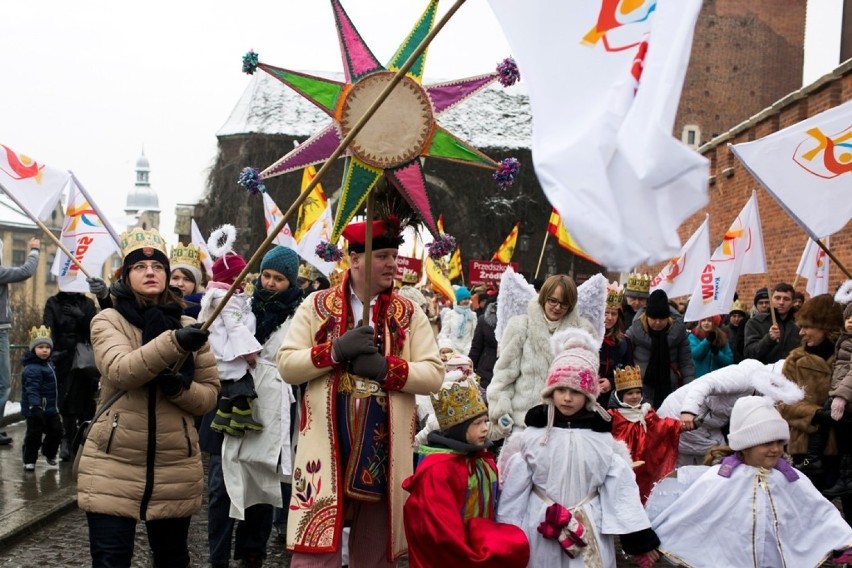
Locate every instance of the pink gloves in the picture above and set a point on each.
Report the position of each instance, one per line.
(560, 525)
(838, 406)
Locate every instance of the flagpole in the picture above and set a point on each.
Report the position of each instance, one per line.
(107, 225)
(356, 129)
(833, 258)
(48, 232)
(368, 260)
(541, 256)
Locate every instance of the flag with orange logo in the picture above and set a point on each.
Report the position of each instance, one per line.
(741, 252)
(814, 266)
(201, 244)
(36, 188)
(86, 234)
(507, 249)
(439, 281)
(312, 208)
(679, 275)
(271, 216)
(454, 269)
(807, 168)
(604, 79)
(564, 238)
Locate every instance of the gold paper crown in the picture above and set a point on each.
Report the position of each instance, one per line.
(738, 306)
(614, 294)
(305, 271)
(459, 402)
(139, 238)
(409, 276)
(37, 333)
(188, 255)
(638, 283)
(629, 377)
(335, 277)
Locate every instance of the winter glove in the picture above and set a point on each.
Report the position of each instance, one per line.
(843, 557)
(822, 416)
(37, 412)
(562, 526)
(73, 311)
(98, 287)
(172, 384)
(191, 337)
(372, 366)
(838, 407)
(711, 336)
(357, 341)
(647, 559)
(713, 349)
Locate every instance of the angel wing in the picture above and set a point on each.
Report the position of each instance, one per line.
(512, 299)
(591, 302)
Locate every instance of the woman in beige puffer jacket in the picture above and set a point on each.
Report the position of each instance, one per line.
(141, 459)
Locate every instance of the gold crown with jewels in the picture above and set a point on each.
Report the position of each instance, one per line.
(457, 403)
(189, 255)
(627, 378)
(638, 284)
(305, 271)
(139, 238)
(614, 295)
(336, 277)
(409, 276)
(37, 333)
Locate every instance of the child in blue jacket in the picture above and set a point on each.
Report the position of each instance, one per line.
(39, 400)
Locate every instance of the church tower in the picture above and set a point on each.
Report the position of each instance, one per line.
(142, 201)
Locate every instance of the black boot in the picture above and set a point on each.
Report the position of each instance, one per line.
(4, 439)
(843, 485)
(65, 450)
(816, 446)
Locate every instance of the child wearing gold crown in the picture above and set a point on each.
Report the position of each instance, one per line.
(449, 516)
(566, 481)
(38, 400)
(652, 440)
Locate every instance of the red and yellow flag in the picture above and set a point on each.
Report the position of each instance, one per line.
(311, 209)
(564, 238)
(507, 249)
(439, 281)
(454, 270)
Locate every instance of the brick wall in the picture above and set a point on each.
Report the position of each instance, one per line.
(731, 186)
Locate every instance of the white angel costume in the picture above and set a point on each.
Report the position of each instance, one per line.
(232, 333)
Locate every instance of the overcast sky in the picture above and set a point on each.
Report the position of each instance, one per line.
(88, 84)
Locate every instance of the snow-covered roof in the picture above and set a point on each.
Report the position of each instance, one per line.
(495, 117)
(11, 215)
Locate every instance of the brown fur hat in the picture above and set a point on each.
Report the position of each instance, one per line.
(821, 312)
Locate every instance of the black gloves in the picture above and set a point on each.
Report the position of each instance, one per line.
(191, 337)
(821, 416)
(37, 412)
(357, 341)
(73, 311)
(98, 287)
(372, 366)
(172, 384)
(711, 336)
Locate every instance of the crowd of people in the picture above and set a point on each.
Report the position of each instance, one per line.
(365, 419)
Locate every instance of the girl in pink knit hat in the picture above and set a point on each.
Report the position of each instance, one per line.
(566, 481)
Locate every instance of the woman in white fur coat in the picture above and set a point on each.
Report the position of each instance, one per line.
(525, 353)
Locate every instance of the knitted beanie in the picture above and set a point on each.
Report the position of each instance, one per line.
(575, 365)
(821, 312)
(847, 313)
(761, 294)
(458, 367)
(283, 260)
(227, 268)
(755, 421)
(462, 293)
(658, 305)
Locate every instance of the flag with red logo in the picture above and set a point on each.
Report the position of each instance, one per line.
(271, 216)
(36, 188)
(604, 80)
(807, 168)
(741, 252)
(678, 277)
(201, 244)
(86, 234)
(814, 266)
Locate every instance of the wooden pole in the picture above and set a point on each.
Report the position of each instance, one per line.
(368, 261)
(541, 256)
(833, 259)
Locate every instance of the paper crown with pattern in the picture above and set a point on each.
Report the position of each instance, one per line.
(305, 271)
(187, 257)
(638, 285)
(335, 277)
(39, 335)
(458, 403)
(739, 306)
(138, 238)
(614, 295)
(409, 276)
(627, 378)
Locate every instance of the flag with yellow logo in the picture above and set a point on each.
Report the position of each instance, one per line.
(507, 249)
(564, 238)
(439, 281)
(312, 208)
(454, 270)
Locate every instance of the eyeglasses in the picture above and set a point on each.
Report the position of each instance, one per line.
(144, 266)
(554, 303)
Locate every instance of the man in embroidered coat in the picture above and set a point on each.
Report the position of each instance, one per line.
(357, 418)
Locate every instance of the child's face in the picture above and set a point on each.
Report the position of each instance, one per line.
(765, 455)
(632, 397)
(477, 431)
(848, 324)
(446, 354)
(273, 281)
(568, 401)
(42, 351)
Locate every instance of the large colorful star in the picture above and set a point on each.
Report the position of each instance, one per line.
(401, 131)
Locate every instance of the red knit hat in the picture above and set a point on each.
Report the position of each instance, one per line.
(226, 268)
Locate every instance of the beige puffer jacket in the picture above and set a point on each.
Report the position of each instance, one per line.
(120, 467)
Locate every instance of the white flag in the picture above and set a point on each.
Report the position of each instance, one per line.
(814, 267)
(87, 236)
(271, 216)
(201, 244)
(741, 252)
(319, 232)
(36, 188)
(807, 168)
(604, 81)
(678, 277)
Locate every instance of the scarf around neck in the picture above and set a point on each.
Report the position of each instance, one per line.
(658, 372)
(271, 309)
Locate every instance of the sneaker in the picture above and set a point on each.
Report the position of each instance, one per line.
(29, 467)
(221, 421)
(4, 439)
(242, 420)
